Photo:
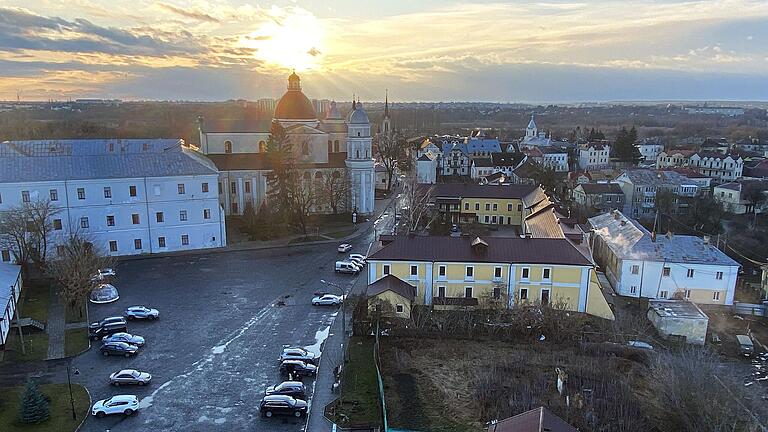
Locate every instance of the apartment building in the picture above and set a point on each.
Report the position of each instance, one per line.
(594, 155)
(129, 196)
(486, 204)
(592, 198)
(740, 197)
(457, 272)
(641, 187)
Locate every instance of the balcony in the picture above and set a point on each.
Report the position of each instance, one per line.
(649, 194)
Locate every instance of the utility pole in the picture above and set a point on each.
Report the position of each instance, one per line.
(343, 315)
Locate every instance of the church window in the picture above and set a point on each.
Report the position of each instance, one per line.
(305, 149)
(262, 147)
(227, 146)
(336, 146)
(357, 154)
(330, 146)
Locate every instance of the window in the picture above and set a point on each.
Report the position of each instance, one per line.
(107, 192)
(6, 254)
(441, 291)
(523, 293)
(181, 188)
(83, 222)
(386, 269)
(232, 187)
(487, 219)
(132, 191)
(546, 274)
(137, 244)
(247, 187)
(509, 207)
(441, 270)
(466, 206)
(54, 194)
(525, 273)
(497, 272)
(687, 293)
(160, 217)
(57, 224)
(665, 271)
(635, 269)
(227, 146)
(220, 188)
(690, 273)
(496, 293)
(663, 294)
(519, 207)
(183, 215)
(110, 220)
(414, 270)
(161, 242)
(234, 207)
(468, 292)
(399, 308)
(545, 296)
(633, 289)
(716, 295)
(206, 213)
(477, 206)
(113, 245)
(470, 272)
(135, 219)
(608, 199)
(487, 207)
(719, 276)
(205, 187)
(493, 219)
(184, 239)
(495, 207)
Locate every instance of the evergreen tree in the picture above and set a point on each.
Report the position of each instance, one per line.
(281, 158)
(34, 406)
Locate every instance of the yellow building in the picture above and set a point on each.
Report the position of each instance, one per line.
(487, 204)
(391, 297)
(450, 272)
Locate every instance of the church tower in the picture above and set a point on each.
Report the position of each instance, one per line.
(359, 160)
(386, 124)
(531, 131)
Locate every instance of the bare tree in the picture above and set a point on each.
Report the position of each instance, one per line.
(333, 190)
(303, 199)
(75, 267)
(40, 215)
(26, 231)
(391, 151)
(418, 211)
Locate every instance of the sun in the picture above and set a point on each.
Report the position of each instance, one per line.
(292, 39)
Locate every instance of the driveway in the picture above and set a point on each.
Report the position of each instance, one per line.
(215, 346)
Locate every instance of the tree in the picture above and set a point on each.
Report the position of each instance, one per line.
(26, 230)
(280, 155)
(34, 406)
(546, 177)
(391, 152)
(77, 262)
(665, 204)
(757, 197)
(624, 147)
(706, 215)
(417, 209)
(333, 190)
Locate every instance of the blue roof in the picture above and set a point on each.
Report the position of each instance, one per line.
(475, 145)
(447, 147)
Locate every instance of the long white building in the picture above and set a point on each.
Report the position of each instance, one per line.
(128, 196)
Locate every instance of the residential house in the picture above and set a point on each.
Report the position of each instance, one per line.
(649, 150)
(715, 145)
(641, 264)
(507, 162)
(455, 160)
(704, 182)
(757, 170)
(481, 168)
(674, 158)
(382, 177)
(723, 167)
(391, 296)
(751, 144)
(10, 291)
(536, 420)
(740, 197)
(641, 187)
(594, 198)
(555, 158)
(450, 272)
(130, 196)
(594, 155)
(426, 169)
(485, 204)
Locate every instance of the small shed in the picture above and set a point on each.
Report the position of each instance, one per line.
(395, 293)
(679, 318)
(536, 420)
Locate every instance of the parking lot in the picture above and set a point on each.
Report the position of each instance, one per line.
(221, 329)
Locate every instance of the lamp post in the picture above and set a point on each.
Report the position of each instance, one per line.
(343, 314)
(71, 398)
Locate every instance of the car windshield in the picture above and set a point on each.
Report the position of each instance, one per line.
(135, 374)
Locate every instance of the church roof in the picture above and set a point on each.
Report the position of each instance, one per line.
(532, 123)
(237, 125)
(358, 114)
(294, 105)
(259, 161)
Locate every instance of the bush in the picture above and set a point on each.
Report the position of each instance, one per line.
(34, 405)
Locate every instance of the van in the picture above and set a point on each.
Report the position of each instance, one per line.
(746, 347)
(346, 267)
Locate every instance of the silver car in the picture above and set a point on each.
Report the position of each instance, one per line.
(124, 337)
(130, 376)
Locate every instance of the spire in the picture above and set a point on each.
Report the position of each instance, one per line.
(386, 103)
(294, 82)
(354, 107)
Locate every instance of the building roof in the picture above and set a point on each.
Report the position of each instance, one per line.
(458, 190)
(391, 283)
(690, 173)
(424, 157)
(294, 105)
(260, 161)
(526, 169)
(600, 188)
(630, 240)
(507, 159)
(536, 420)
(759, 170)
(544, 224)
(681, 152)
(487, 145)
(656, 178)
(59, 160)
(552, 150)
(534, 152)
(499, 250)
(483, 162)
(680, 309)
(358, 116)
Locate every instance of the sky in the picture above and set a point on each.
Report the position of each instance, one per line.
(420, 50)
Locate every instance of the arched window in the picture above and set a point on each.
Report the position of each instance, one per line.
(330, 146)
(358, 133)
(227, 146)
(357, 154)
(336, 146)
(305, 149)
(262, 147)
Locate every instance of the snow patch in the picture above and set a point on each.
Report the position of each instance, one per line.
(320, 337)
(219, 421)
(218, 349)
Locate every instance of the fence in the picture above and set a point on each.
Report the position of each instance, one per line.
(378, 377)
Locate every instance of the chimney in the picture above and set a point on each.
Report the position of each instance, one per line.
(653, 236)
(669, 235)
(706, 239)
(616, 214)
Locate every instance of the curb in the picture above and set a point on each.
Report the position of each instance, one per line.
(88, 411)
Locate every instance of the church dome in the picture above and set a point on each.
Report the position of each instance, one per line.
(358, 114)
(294, 105)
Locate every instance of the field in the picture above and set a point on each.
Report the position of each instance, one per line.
(60, 408)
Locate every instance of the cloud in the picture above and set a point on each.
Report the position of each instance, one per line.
(189, 13)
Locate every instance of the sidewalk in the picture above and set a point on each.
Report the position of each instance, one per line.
(55, 326)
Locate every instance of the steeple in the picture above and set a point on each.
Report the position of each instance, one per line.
(386, 127)
(386, 103)
(294, 82)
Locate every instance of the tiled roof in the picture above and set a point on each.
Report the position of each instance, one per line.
(507, 159)
(394, 284)
(600, 188)
(536, 420)
(544, 224)
(481, 191)
(482, 162)
(499, 250)
(58, 160)
(260, 161)
(656, 177)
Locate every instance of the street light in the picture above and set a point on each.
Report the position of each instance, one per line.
(343, 313)
(71, 398)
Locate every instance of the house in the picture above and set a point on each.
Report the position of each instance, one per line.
(594, 155)
(649, 149)
(578, 177)
(536, 420)
(739, 197)
(751, 144)
(594, 198)
(455, 160)
(471, 272)
(382, 177)
(641, 264)
(480, 146)
(641, 186)
(704, 182)
(10, 290)
(481, 168)
(507, 162)
(679, 319)
(674, 158)
(555, 158)
(130, 196)
(758, 170)
(485, 204)
(525, 173)
(723, 167)
(429, 148)
(426, 169)
(394, 292)
(715, 145)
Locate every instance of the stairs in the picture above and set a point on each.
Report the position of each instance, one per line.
(29, 322)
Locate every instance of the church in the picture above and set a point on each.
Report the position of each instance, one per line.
(331, 146)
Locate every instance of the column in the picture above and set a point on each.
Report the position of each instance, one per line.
(428, 278)
(511, 285)
(240, 196)
(584, 288)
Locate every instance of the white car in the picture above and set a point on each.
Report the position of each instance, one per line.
(358, 258)
(344, 248)
(102, 274)
(118, 404)
(640, 344)
(327, 300)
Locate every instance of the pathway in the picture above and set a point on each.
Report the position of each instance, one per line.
(56, 326)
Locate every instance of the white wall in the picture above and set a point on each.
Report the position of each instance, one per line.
(241, 142)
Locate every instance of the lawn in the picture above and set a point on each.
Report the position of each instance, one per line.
(309, 238)
(36, 343)
(342, 233)
(75, 341)
(60, 408)
(76, 313)
(35, 298)
(359, 402)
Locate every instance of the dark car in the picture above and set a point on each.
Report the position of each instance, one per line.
(106, 327)
(282, 405)
(297, 368)
(294, 389)
(118, 348)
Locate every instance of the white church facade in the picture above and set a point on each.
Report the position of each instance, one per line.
(332, 146)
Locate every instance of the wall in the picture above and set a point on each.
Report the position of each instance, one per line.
(393, 299)
(510, 217)
(694, 329)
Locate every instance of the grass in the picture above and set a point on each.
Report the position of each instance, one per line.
(359, 402)
(342, 233)
(35, 300)
(60, 408)
(36, 343)
(75, 314)
(309, 238)
(75, 341)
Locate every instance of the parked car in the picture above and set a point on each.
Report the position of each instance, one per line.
(102, 274)
(327, 300)
(346, 267)
(746, 347)
(124, 337)
(344, 248)
(119, 404)
(107, 326)
(130, 376)
(358, 258)
(141, 312)
(298, 368)
(454, 228)
(296, 353)
(640, 344)
(294, 389)
(282, 405)
(118, 348)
